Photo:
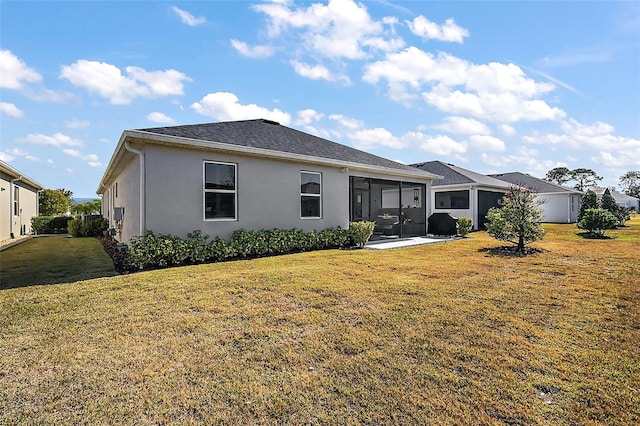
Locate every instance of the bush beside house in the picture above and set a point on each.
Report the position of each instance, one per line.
(151, 251)
(50, 224)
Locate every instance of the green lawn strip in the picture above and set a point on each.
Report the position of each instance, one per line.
(437, 334)
(53, 260)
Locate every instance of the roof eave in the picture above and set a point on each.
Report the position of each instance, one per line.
(16, 174)
(155, 138)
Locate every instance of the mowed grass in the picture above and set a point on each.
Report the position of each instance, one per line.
(438, 334)
(52, 260)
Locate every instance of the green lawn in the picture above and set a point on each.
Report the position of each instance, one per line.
(443, 334)
(52, 260)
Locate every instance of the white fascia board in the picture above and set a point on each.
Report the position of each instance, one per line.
(15, 173)
(267, 153)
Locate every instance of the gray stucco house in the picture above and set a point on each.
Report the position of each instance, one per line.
(18, 201)
(559, 204)
(463, 192)
(254, 174)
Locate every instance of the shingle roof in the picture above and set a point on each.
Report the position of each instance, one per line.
(533, 183)
(454, 175)
(269, 135)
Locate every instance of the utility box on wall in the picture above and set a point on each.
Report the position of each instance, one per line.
(118, 214)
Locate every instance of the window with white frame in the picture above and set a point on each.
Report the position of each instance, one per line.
(310, 195)
(16, 200)
(220, 191)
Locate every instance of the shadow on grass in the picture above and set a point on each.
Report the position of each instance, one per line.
(53, 260)
(511, 251)
(594, 236)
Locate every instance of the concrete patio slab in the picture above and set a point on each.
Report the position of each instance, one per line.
(405, 242)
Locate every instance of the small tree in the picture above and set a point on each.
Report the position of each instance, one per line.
(609, 203)
(589, 201)
(519, 221)
(597, 221)
(55, 202)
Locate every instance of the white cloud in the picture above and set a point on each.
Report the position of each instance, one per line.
(613, 151)
(521, 157)
(439, 144)
(486, 143)
(502, 108)
(339, 29)
(76, 124)
(14, 72)
(57, 140)
(108, 81)
(158, 117)
(7, 158)
(308, 116)
(188, 18)
(91, 159)
(428, 30)
(497, 92)
(507, 130)
(225, 106)
(463, 126)
(10, 110)
(16, 152)
(317, 72)
(372, 138)
(347, 122)
(251, 51)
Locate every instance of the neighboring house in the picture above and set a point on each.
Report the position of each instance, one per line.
(253, 174)
(19, 201)
(559, 204)
(623, 200)
(462, 192)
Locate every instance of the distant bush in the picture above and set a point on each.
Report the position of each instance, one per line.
(50, 224)
(151, 251)
(93, 228)
(465, 224)
(361, 232)
(597, 221)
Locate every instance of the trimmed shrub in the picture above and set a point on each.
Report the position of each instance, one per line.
(361, 232)
(597, 221)
(50, 224)
(465, 224)
(152, 251)
(92, 228)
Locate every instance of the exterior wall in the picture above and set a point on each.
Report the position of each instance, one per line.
(27, 208)
(6, 209)
(559, 208)
(127, 196)
(471, 212)
(268, 194)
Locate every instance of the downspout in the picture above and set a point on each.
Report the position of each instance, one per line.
(140, 154)
(11, 200)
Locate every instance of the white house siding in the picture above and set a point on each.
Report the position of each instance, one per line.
(559, 208)
(127, 196)
(471, 212)
(20, 223)
(268, 193)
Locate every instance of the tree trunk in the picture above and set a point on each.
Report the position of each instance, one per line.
(520, 248)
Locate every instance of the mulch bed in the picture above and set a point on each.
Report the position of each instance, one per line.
(512, 251)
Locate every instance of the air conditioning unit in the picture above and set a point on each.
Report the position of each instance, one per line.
(118, 214)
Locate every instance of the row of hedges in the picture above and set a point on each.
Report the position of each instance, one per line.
(90, 228)
(151, 251)
(50, 224)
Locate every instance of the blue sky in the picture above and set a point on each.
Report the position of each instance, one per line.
(489, 86)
